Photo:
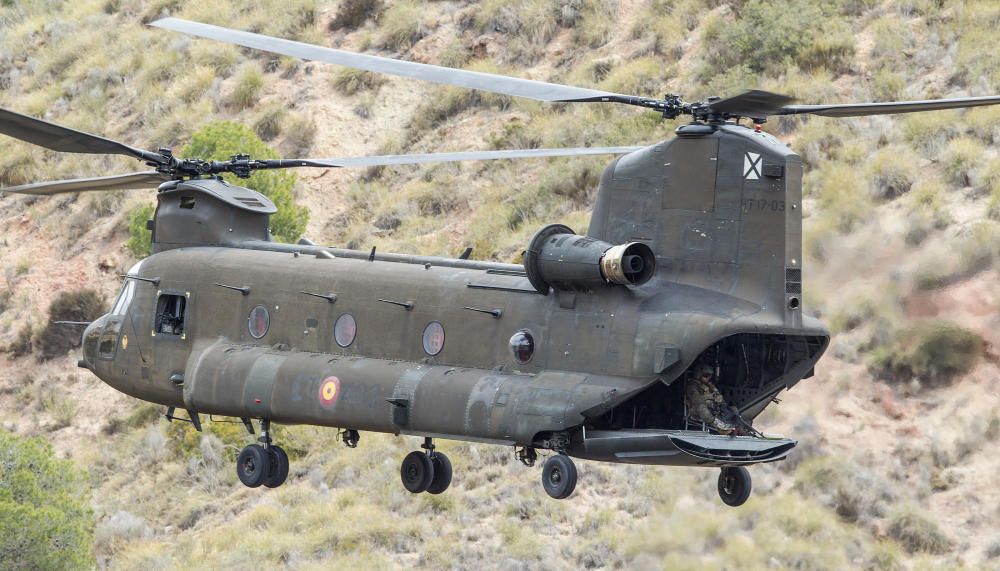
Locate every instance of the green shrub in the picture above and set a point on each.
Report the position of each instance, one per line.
(797, 32)
(300, 134)
(930, 132)
(850, 490)
(892, 171)
(354, 13)
(222, 139)
(55, 340)
(934, 352)
(22, 343)
(887, 85)
(268, 123)
(961, 159)
(592, 24)
(403, 25)
(993, 208)
(529, 25)
(44, 508)
(350, 81)
(246, 91)
(140, 239)
(917, 532)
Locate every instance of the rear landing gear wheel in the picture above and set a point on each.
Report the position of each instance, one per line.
(417, 472)
(253, 465)
(734, 485)
(559, 476)
(442, 473)
(279, 466)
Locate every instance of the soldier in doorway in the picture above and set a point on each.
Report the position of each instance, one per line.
(706, 404)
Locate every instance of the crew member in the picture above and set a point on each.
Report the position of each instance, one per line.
(706, 404)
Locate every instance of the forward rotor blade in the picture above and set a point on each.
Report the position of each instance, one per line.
(384, 160)
(887, 108)
(66, 140)
(517, 87)
(754, 103)
(150, 179)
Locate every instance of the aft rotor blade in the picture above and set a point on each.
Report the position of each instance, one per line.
(887, 108)
(150, 179)
(66, 140)
(516, 87)
(385, 160)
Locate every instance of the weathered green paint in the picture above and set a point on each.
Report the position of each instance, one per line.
(606, 356)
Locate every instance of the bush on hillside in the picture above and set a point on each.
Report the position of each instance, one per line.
(892, 171)
(799, 32)
(916, 532)
(961, 159)
(354, 13)
(221, 140)
(55, 340)
(43, 508)
(140, 239)
(933, 352)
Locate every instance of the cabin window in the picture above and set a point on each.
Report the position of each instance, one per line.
(345, 330)
(522, 345)
(170, 311)
(258, 322)
(433, 338)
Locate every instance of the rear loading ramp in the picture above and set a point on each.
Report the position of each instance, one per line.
(677, 447)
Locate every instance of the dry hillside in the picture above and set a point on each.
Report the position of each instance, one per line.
(895, 467)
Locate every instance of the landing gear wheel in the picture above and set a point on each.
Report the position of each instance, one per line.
(559, 476)
(253, 465)
(734, 485)
(442, 473)
(279, 467)
(417, 472)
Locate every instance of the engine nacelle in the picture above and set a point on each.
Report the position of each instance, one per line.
(560, 259)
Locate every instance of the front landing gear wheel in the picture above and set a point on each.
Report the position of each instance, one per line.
(734, 486)
(417, 472)
(559, 476)
(279, 466)
(253, 465)
(442, 473)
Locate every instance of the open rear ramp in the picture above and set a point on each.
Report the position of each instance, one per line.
(677, 447)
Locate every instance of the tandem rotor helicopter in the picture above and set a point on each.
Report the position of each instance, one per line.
(692, 261)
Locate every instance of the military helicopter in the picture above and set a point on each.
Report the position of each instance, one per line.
(692, 260)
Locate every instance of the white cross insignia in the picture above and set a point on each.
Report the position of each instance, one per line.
(751, 166)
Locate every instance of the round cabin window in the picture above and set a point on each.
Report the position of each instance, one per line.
(258, 322)
(433, 338)
(522, 345)
(345, 330)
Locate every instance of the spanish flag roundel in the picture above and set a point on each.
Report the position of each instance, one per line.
(329, 390)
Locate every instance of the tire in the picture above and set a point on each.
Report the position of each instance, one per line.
(734, 485)
(417, 472)
(279, 467)
(559, 476)
(442, 473)
(253, 466)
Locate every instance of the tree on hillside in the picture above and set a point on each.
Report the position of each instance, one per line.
(221, 140)
(45, 519)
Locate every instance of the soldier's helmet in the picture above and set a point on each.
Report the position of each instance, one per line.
(706, 370)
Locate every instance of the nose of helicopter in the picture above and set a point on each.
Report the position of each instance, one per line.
(91, 338)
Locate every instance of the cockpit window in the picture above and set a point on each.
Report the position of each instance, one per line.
(127, 292)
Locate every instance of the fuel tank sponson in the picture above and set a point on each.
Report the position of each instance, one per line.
(558, 258)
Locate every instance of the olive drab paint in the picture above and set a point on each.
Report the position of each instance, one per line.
(718, 207)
